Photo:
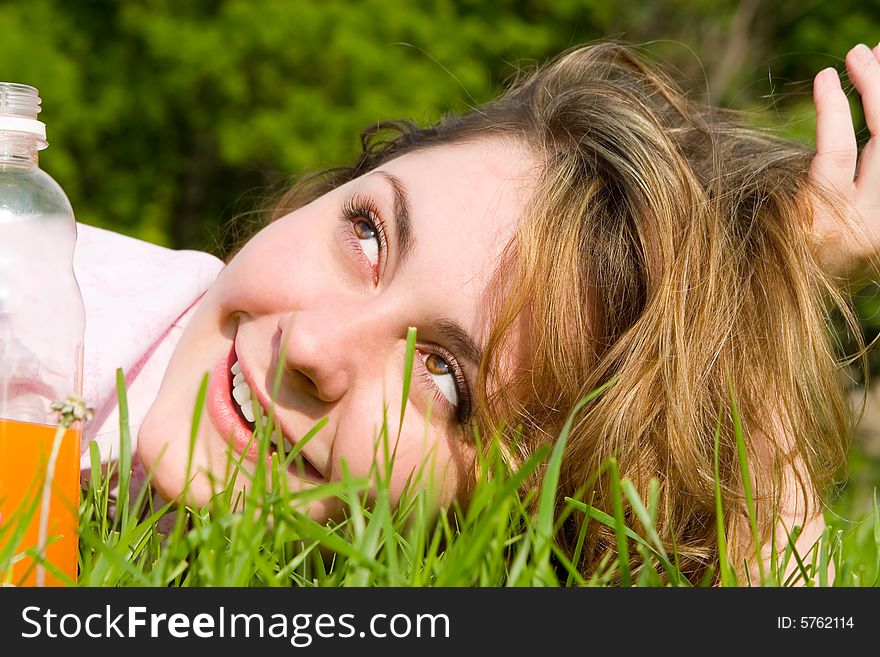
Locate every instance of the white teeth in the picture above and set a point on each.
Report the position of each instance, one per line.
(247, 409)
(241, 393)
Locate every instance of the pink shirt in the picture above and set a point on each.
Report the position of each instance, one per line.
(138, 299)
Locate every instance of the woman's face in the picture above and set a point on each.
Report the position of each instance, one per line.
(337, 283)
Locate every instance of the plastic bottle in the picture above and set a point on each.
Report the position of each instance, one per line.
(42, 322)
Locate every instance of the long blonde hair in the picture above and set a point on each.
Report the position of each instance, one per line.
(666, 245)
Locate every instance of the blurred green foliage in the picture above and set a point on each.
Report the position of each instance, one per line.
(167, 119)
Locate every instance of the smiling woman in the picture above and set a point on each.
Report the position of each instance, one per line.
(592, 224)
(338, 282)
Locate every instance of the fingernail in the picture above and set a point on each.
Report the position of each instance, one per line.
(828, 77)
(863, 53)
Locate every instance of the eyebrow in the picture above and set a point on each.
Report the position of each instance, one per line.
(460, 341)
(402, 217)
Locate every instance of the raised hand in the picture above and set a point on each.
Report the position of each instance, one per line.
(852, 179)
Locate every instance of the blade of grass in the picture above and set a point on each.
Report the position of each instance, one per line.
(719, 511)
(645, 517)
(792, 547)
(547, 499)
(122, 500)
(746, 477)
(824, 556)
(610, 521)
(619, 524)
(875, 519)
(408, 358)
(582, 535)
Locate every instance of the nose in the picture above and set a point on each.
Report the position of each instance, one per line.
(328, 347)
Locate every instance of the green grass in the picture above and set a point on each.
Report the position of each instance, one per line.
(504, 537)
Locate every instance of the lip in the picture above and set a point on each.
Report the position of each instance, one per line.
(221, 409)
(223, 413)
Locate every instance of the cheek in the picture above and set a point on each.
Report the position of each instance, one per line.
(422, 457)
(289, 263)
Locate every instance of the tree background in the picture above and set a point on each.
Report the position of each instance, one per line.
(175, 121)
(168, 120)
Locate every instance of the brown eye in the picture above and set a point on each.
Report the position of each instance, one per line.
(368, 237)
(365, 231)
(365, 223)
(443, 376)
(436, 365)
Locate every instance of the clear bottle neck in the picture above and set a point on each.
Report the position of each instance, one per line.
(20, 149)
(21, 134)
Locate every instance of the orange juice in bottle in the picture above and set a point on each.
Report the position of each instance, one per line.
(25, 451)
(42, 322)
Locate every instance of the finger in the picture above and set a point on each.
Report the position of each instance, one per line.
(865, 74)
(835, 163)
(864, 71)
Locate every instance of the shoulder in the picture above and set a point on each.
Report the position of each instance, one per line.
(137, 298)
(111, 261)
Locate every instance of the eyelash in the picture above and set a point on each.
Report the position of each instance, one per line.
(357, 208)
(463, 411)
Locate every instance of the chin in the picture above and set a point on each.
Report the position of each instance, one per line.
(164, 452)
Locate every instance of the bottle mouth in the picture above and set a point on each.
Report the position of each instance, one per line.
(19, 100)
(19, 107)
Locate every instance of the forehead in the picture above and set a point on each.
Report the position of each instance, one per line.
(466, 201)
